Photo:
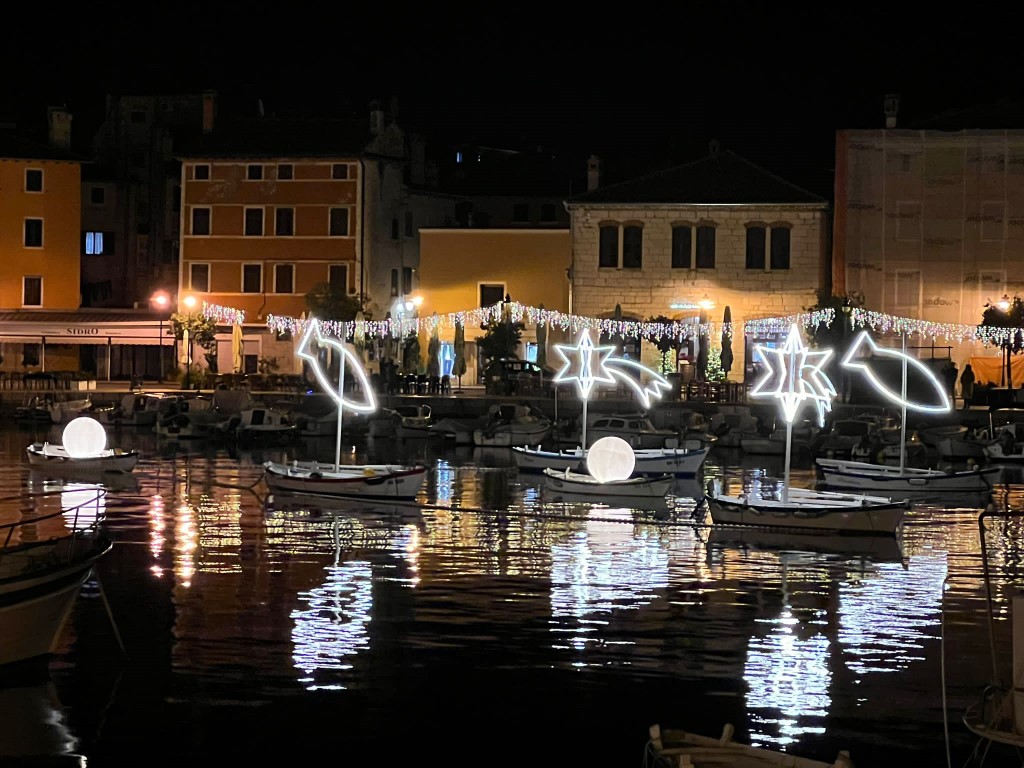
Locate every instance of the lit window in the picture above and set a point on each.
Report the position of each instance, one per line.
(93, 243)
(458, 157)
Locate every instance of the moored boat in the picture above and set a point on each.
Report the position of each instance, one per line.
(893, 480)
(578, 483)
(361, 480)
(510, 425)
(653, 461)
(56, 457)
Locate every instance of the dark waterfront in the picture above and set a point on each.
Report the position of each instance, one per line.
(495, 625)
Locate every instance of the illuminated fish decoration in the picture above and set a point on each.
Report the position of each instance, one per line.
(313, 339)
(579, 365)
(865, 341)
(796, 377)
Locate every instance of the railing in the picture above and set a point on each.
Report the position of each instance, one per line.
(78, 530)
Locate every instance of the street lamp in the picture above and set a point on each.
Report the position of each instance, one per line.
(161, 300)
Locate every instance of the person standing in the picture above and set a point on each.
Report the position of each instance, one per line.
(950, 374)
(967, 385)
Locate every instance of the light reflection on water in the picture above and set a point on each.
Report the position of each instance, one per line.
(277, 597)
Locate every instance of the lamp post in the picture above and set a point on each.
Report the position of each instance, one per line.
(161, 301)
(190, 304)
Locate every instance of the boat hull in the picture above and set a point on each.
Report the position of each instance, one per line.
(353, 482)
(889, 480)
(576, 484)
(507, 437)
(118, 462)
(871, 518)
(655, 461)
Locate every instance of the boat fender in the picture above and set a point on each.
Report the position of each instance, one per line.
(315, 476)
(368, 472)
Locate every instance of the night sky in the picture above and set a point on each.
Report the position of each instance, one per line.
(644, 87)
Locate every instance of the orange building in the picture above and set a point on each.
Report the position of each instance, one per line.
(465, 268)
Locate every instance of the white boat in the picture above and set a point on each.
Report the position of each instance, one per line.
(459, 430)
(636, 429)
(39, 581)
(259, 423)
(579, 484)
(361, 480)
(672, 747)
(509, 425)
(183, 418)
(1007, 443)
(878, 549)
(963, 448)
(892, 481)
(136, 409)
(414, 421)
(805, 510)
(63, 411)
(54, 457)
(843, 436)
(685, 461)
(730, 423)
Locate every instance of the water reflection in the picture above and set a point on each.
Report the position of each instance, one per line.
(34, 725)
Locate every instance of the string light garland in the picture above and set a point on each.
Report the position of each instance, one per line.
(401, 327)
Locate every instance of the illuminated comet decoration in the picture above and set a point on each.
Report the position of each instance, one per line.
(865, 341)
(314, 337)
(794, 376)
(588, 364)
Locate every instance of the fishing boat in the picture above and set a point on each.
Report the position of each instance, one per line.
(685, 461)
(459, 430)
(807, 510)
(55, 457)
(509, 425)
(40, 579)
(259, 422)
(136, 409)
(893, 481)
(573, 483)
(636, 429)
(359, 480)
(183, 418)
(63, 411)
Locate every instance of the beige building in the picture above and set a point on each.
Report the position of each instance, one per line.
(465, 268)
(719, 232)
(930, 224)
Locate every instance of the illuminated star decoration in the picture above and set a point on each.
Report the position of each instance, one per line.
(864, 339)
(580, 366)
(795, 377)
(313, 336)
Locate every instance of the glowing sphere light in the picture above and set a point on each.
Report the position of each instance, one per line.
(610, 459)
(84, 437)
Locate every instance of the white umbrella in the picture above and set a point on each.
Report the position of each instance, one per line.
(183, 356)
(237, 348)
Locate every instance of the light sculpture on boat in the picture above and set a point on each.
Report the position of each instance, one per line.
(899, 398)
(794, 378)
(314, 337)
(611, 459)
(84, 438)
(579, 365)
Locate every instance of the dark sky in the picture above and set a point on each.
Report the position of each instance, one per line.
(640, 85)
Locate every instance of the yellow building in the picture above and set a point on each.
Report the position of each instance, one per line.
(465, 268)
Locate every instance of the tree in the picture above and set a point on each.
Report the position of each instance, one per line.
(329, 301)
(500, 339)
(1007, 314)
(665, 344)
(202, 331)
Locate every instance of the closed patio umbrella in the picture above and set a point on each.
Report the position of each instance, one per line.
(434, 354)
(727, 341)
(542, 343)
(459, 369)
(237, 349)
(702, 354)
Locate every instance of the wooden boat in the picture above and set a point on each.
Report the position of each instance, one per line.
(879, 549)
(579, 484)
(414, 421)
(962, 448)
(681, 462)
(54, 457)
(35, 410)
(136, 409)
(892, 481)
(459, 430)
(182, 418)
(806, 510)
(671, 747)
(39, 581)
(360, 480)
(259, 423)
(509, 425)
(63, 411)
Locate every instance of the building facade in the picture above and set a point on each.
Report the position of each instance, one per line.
(719, 232)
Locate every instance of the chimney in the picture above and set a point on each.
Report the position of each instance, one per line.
(594, 168)
(376, 117)
(60, 127)
(209, 110)
(892, 107)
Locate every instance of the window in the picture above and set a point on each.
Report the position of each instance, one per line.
(908, 220)
(200, 221)
(252, 278)
(339, 171)
(33, 233)
(31, 291)
(199, 277)
(705, 247)
(609, 246)
(138, 116)
(521, 212)
(491, 293)
(201, 172)
(394, 229)
(33, 180)
(993, 221)
(908, 289)
(458, 157)
(284, 278)
(93, 245)
(780, 248)
(547, 212)
(409, 231)
(284, 222)
(632, 247)
(406, 280)
(682, 241)
(339, 222)
(30, 354)
(254, 172)
(285, 172)
(755, 247)
(337, 276)
(97, 196)
(394, 282)
(253, 221)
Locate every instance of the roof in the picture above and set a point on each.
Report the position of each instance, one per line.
(271, 137)
(723, 178)
(18, 147)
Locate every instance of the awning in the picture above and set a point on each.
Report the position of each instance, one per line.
(140, 332)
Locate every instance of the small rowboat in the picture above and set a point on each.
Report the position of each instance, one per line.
(576, 483)
(351, 480)
(56, 458)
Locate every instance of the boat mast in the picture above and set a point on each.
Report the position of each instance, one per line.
(341, 413)
(903, 417)
(791, 371)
